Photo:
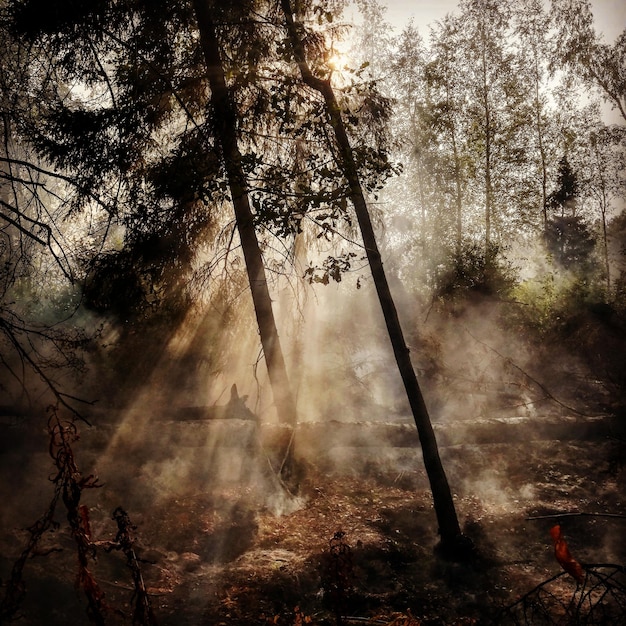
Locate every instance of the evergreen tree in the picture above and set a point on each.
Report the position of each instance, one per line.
(566, 193)
(153, 131)
(567, 236)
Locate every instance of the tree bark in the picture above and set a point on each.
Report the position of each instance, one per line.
(458, 187)
(542, 150)
(225, 120)
(451, 536)
(488, 138)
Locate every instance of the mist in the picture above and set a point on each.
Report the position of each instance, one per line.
(191, 448)
(207, 416)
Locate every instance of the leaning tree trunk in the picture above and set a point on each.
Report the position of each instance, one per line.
(225, 120)
(451, 536)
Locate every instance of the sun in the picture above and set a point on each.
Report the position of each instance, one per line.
(338, 59)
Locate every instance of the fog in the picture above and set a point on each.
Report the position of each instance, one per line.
(200, 415)
(185, 437)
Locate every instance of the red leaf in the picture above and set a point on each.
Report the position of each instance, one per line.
(564, 557)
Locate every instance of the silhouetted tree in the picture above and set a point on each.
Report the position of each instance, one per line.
(451, 537)
(564, 196)
(150, 84)
(225, 125)
(567, 236)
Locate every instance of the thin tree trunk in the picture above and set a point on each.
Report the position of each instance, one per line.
(542, 150)
(226, 133)
(421, 177)
(457, 177)
(605, 239)
(603, 210)
(458, 197)
(451, 536)
(487, 111)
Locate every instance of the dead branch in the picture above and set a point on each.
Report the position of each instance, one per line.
(599, 599)
(581, 514)
(124, 541)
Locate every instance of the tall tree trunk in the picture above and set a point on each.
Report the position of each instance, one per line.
(451, 536)
(488, 137)
(605, 239)
(458, 196)
(542, 149)
(226, 132)
(458, 187)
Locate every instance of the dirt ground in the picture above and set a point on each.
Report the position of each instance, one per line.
(240, 551)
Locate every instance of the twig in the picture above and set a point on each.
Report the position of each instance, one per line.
(582, 514)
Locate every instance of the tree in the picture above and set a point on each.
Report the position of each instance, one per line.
(493, 94)
(373, 38)
(428, 125)
(594, 174)
(578, 47)
(567, 236)
(40, 343)
(564, 196)
(148, 84)
(249, 138)
(445, 91)
(604, 178)
(532, 28)
(431, 123)
(451, 537)
(226, 131)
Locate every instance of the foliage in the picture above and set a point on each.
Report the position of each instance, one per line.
(484, 117)
(550, 302)
(331, 268)
(568, 239)
(579, 47)
(570, 311)
(567, 187)
(472, 275)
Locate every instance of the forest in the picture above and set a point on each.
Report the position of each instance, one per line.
(310, 319)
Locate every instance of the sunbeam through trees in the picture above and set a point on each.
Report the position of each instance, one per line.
(308, 317)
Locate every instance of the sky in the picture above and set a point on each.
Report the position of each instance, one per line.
(610, 15)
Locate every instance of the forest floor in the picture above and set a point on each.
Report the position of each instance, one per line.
(244, 552)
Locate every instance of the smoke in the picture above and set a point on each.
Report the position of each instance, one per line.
(178, 441)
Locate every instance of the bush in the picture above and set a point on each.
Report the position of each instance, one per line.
(473, 274)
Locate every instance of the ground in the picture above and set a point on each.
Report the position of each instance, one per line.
(243, 551)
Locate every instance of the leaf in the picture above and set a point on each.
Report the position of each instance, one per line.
(564, 557)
